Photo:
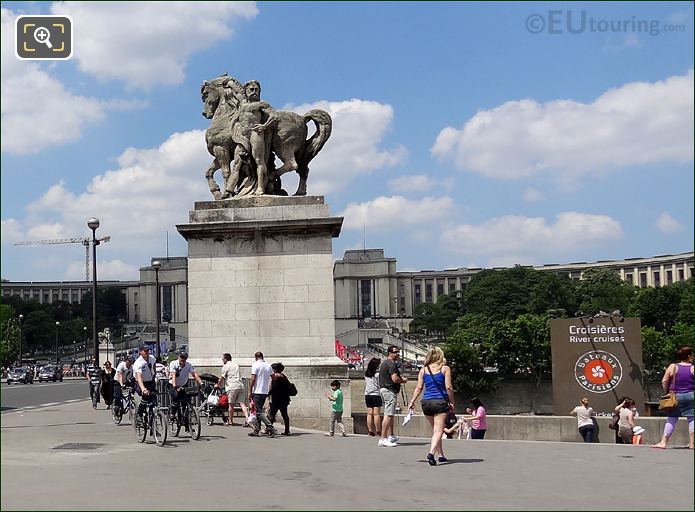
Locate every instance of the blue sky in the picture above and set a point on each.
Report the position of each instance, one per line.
(460, 137)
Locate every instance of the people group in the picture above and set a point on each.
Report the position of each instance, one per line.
(383, 381)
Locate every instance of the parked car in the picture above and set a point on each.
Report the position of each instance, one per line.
(51, 373)
(22, 375)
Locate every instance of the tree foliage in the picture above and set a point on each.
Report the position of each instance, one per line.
(602, 290)
(501, 321)
(9, 335)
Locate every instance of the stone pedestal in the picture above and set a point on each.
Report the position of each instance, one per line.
(260, 277)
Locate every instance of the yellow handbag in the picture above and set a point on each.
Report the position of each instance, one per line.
(668, 401)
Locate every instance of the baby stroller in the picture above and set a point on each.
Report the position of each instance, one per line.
(214, 403)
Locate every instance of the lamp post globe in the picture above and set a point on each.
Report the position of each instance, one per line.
(93, 223)
(156, 265)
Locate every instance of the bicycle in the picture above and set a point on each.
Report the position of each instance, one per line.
(128, 402)
(187, 417)
(153, 420)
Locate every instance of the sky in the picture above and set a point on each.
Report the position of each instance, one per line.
(473, 134)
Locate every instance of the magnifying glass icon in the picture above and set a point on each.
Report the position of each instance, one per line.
(43, 36)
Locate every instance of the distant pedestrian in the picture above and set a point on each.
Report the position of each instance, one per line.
(336, 398)
(279, 396)
(390, 381)
(477, 419)
(372, 397)
(626, 421)
(108, 375)
(621, 403)
(437, 400)
(258, 392)
(678, 378)
(230, 378)
(585, 420)
(93, 376)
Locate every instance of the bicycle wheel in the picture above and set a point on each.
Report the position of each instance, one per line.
(116, 415)
(131, 413)
(194, 423)
(174, 426)
(140, 427)
(160, 428)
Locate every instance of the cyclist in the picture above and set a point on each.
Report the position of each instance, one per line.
(143, 370)
(124, 378)
(179, 371)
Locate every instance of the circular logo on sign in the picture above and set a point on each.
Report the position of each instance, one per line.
(598, 371)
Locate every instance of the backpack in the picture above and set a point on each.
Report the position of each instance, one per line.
(292, 389)
(613, 425)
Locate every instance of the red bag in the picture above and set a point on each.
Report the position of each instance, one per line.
(224, 401)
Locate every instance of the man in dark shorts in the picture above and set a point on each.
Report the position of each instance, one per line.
(390, 381)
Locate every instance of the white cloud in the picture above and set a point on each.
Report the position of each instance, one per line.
(148, 43)
(667, 224)
(113, 270)
(47, 231)
(636, 124)
(396, 212)
(520, 238)
(37, 109)
(416, 183)
(532, 195)
(359, 127)
(11, 231)
(149, 192)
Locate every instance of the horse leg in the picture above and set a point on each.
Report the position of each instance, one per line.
(222, 156)
(303, 172)
(212, 184)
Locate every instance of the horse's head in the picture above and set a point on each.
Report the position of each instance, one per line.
(211, 99)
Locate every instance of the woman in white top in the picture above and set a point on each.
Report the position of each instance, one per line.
(372, 397)
(585, 420)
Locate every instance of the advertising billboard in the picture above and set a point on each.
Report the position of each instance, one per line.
(597, 358)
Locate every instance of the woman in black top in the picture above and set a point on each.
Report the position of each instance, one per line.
(108, 374)
(279, 396)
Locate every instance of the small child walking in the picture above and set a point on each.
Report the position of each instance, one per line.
(336, 409)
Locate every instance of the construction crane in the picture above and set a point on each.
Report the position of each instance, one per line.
(84, 241)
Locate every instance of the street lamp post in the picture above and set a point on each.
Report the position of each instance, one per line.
(85, 343)
(93, 224)
(21, 319)
(156, 265)
(57, 325)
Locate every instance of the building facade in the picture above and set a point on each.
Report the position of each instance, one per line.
(367, 285)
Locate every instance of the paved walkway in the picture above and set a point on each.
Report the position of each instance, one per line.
(227, 470)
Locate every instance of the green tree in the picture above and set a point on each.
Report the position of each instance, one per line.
(657, 353)
(658, 307)
(111, 308)
(686, 313)
(438, 317)
(602, 290)
(469, 351)
(9, 335)
(527, 347)
(516, 291)
(39, 330)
